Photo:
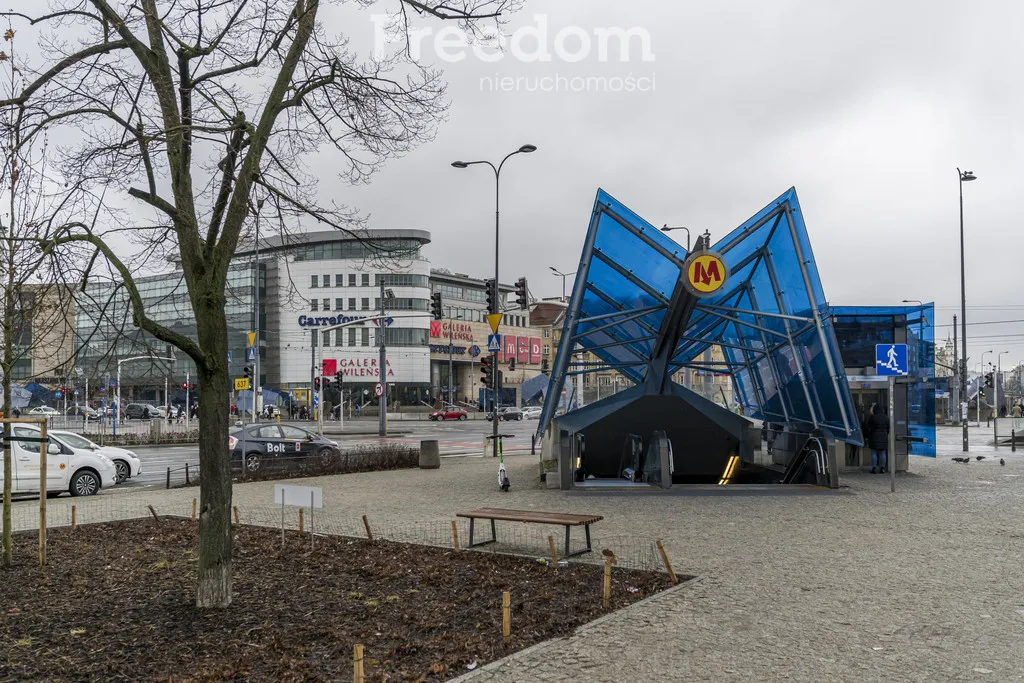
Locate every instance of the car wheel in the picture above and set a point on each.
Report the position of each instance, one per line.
(433, 418)
(327, 456)
(85, 483)
(124, 472)
(463, 417)
(252, 463)
(519, 417)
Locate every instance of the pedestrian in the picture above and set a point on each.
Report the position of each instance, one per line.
(1016, 410)
(878, 438)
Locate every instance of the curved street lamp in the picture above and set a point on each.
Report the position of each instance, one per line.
(525, 149)
(562, 275)
(965, 177)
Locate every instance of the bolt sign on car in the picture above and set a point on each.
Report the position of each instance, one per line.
(254, 447)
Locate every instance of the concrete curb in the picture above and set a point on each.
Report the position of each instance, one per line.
(493, 667)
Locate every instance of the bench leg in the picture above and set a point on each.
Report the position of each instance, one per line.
(472, 544)
(586, 527)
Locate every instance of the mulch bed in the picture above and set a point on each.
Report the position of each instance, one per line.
(117, 603)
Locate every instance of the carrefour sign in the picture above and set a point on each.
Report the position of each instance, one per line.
(310, 321)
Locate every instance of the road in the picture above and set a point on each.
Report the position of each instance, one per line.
(454, 439)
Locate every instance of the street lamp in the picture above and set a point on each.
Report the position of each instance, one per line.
(665, 228)
(980, 384)
(525, 149)
(563, 276)
(965, 176)
(999, 374)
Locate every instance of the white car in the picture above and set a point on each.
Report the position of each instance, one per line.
(77, 471)
(126, 462)
(44, 410)
(531, 413)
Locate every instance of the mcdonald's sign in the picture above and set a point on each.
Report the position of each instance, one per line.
(705, 273)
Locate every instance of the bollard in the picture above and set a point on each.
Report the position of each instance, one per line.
(168, 477)
(1013, 440)
(533, 444)
(186, 474)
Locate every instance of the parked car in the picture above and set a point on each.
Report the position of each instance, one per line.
(43, 411)
(509, 413)
(142, 411)
(83, 411)
(255, 446)
(126, 463)
(532, 413)
(80, 472)
(449, 413)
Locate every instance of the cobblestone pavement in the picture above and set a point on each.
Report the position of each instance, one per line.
(856, 585)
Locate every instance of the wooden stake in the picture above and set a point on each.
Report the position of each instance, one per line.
(357, 664)
(554, 553)
(302, 526)
(74, 517)
(506, 617)
(668, 565)
(194, 509)
(607, 583)
(366, 523)
(455, 535)
(153, 512)
(43, 446)
(236, 515)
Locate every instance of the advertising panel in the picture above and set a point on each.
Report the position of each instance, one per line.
(524, 350)
(535, 350)
(508, 346)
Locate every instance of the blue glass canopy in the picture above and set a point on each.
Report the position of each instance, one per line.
(631, 309)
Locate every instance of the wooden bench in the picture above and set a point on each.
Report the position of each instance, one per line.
(531, 517)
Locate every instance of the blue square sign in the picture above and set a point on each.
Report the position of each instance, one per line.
(891, 360)
(494, 343)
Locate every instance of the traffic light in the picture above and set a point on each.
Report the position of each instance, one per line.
(435, 305)
(316, 384)
(988, 380)
(493, 306)
(522, 298)
(248, 372)
(511, 364)
(486, 366)
(338, 377)
(184, 385)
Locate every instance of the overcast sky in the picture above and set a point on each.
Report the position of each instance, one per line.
(866, 108)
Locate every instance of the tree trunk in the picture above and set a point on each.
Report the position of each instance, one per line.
(215, 466)
(5, 367)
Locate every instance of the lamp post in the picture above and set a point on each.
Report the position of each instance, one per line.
(665, 228)
(965, 176)
(563, 276)
(980, 384)
(999, 374)
(525, 149)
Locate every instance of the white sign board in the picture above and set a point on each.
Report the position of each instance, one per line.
(303, 496)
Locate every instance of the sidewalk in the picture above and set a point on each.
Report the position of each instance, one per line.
(862, 585)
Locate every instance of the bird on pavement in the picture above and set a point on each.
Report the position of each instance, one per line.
(963, 460)
(1001, 462)
(979, 458)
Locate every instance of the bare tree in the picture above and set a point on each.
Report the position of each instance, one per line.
(188, 113)
(36, 326)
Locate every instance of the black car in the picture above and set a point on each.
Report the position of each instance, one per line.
(83, 411)
(141, 411)
(276, 444)
(509, 413)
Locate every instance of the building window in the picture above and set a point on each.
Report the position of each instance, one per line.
(339, 337)
(366, 303)
(327, 338)
(339, 280)
(339, 304)
(351, 336)
(376, 304)
(547, 333)
(313, 281)
(351, 279)
(327, 304)
(313, 304)
(327, 280)
(366, 336)
(365, 279)
(351, 303)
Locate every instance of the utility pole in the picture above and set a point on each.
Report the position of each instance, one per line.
(256, 318)
(955, 389)
(382, 368)
(312, 367)
(451, 341)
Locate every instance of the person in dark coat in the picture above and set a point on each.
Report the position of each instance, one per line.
(878, 438)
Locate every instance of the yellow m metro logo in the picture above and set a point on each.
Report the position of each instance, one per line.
(705, 273)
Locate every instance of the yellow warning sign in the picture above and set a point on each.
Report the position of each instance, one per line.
(241, 384)
(494, 319)
(252, 339)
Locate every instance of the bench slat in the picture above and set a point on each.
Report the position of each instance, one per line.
(531, 516)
